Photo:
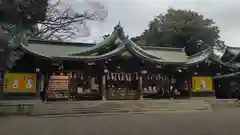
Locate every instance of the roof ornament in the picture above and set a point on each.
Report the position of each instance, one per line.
(118, 26)
(119, 23)
(119, 29)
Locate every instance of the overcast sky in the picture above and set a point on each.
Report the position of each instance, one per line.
(135, 15)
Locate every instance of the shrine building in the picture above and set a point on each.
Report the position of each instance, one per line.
(117, 68)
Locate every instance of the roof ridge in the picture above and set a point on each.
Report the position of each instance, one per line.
(233, 47)
(55, 42)
(201, 52)
(161, 48)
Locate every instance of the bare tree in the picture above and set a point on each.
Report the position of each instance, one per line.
(64, 22)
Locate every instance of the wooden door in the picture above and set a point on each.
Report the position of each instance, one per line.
(85, 86)
(122, 86)
(154, 85)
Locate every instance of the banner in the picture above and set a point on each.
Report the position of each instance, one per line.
(19, 83)
(202, 83)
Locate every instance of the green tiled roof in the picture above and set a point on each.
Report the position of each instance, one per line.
(234, 50)
(200, 56)
(234, 54)
(54, 50)
(78, 51)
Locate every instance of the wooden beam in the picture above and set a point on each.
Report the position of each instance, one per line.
(226, 75)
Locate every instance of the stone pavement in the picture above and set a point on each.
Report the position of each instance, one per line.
(36, 107)
(222, 122)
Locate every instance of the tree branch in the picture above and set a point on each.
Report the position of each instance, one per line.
(67, 25)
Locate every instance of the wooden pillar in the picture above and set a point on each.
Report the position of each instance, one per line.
(38, 82)
(104, 87)
(47, 78)
(1, 84)
(190, 86)
(69, 85)
(141, 87)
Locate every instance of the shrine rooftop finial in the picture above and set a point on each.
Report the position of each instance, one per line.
(119, 23)
(118, 26)
(119, 29)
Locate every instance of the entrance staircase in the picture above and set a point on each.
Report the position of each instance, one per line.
(122, 106)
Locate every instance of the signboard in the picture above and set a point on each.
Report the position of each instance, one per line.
(19, 83)
(202, 83)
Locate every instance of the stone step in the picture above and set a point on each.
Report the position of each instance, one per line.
(62, 108)
(115, 106)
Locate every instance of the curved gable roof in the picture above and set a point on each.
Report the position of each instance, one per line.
(77, 51)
